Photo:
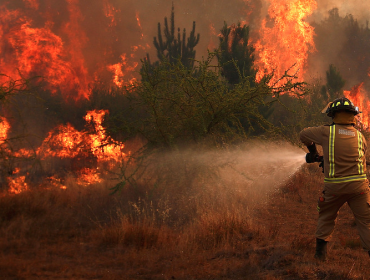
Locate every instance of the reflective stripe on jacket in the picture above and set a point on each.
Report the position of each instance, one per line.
(346, 139)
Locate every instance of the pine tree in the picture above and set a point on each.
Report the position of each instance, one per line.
(236, 55)
(334, 83)
(174, 47)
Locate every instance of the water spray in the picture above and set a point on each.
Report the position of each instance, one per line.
(262, 166)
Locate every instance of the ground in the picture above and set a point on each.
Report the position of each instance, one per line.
(65, 234)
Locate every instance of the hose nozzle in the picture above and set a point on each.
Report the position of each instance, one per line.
(313, 157)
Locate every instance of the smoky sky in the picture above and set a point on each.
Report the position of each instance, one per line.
(341, 39)
(358, 8)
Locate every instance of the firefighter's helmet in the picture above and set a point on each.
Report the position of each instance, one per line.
(341, 104)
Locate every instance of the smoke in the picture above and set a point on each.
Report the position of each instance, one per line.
(359, 9)
(341, 40)
(209, 16)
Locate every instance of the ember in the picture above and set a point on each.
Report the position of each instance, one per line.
(17, 183)
(4, 128)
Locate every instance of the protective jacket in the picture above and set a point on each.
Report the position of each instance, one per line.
(344, 149)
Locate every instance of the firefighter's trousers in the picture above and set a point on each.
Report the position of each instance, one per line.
(328, 207)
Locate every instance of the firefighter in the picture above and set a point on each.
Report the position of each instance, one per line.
(344, 149)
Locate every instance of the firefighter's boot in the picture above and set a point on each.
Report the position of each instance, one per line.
(321, 247)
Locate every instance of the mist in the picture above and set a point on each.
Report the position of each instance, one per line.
(252, 170)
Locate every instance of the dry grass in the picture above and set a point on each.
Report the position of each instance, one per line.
(85, 233)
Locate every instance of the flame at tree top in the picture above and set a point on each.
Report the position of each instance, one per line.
(285, 38)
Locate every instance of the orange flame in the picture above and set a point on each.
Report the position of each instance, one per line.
(110, 12)
(66, 142)
(77, 39)
(17, 185)
(57, 50)
(285, 39)
(92, 145)
(55, 182)
(88, 176)
(38, 51)
(103, 147)
(122, 69)
(139, 24)
(358, 97)
(4, 128)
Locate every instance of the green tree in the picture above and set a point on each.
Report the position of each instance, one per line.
(298, 112)
(174, 47)
(236, 58)
(236, 54)
(334, 84)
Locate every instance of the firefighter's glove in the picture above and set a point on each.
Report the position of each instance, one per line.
(312, 149)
